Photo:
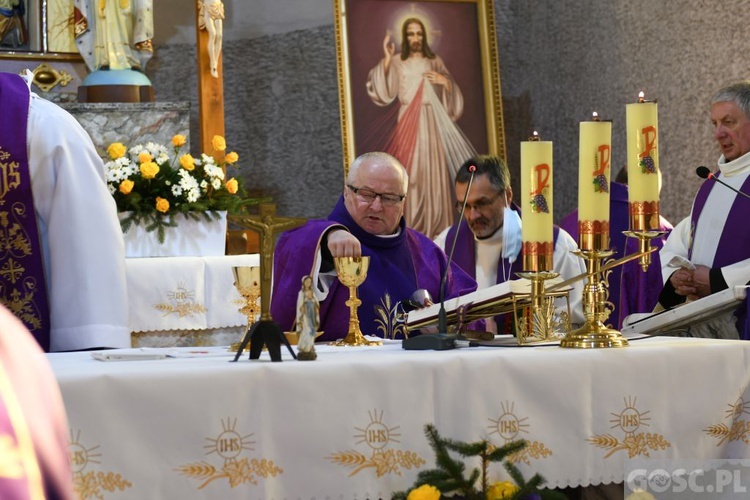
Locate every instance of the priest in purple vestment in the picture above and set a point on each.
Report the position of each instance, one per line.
(488, 239)
(630, 289)
(367, 220)
(709, 250)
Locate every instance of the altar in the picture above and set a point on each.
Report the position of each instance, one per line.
(185, 301)
(188, 423)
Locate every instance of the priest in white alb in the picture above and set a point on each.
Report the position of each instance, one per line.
(62, 260)
(709, 251)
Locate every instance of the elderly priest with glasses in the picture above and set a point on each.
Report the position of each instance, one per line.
(367, 220)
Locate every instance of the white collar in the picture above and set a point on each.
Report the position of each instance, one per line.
(740, 165)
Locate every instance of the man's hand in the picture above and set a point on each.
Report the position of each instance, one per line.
(343, 244)
(683, 282)
(701, 283)
(389, 48)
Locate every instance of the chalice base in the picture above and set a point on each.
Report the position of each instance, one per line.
(355, 338)
(593, 336)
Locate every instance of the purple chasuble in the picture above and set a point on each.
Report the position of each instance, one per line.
(734, 243)
(465, 257)
(398, 266)
(22, 285)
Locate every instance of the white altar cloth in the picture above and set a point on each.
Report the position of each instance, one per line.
(350, 425)
(185, 293)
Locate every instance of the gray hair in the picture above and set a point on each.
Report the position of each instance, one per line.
(738, 93)
(379, 157)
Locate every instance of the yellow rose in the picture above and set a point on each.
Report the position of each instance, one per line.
(178, 140)
(116, 150)
(219, 143)
(145, 157)
(126, 186)
(232, 158)
(498, 491)
(162, 205)
(187, 162)
(149, 170)
(424, 492)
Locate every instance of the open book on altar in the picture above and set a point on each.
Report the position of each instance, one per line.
(685, 315)
(484, 303)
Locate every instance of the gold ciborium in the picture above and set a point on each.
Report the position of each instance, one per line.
(352, 272)
(247, 283)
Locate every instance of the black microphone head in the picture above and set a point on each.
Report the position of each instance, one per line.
(703, 172)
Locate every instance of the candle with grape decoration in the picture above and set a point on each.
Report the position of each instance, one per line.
(643, 164)
(536, 197)
(594, 154)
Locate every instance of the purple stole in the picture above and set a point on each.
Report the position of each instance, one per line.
(398, 267)
(22, 284)
(465, 256)
(734, 243)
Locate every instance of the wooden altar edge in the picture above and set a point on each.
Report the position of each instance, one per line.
(685, 314)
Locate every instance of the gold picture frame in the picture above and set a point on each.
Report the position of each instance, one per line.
(461, 34)
(47, 28)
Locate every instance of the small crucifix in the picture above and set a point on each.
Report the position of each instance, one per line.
(267, 224)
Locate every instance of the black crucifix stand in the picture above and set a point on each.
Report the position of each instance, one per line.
(266, 332)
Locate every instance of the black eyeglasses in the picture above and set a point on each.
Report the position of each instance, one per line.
(368, 196)
(480, 205)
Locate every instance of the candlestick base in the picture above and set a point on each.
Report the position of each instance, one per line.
(594, 335)
(596, 309)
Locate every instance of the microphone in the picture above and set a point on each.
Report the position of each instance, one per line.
(442, 340)
(705, 173)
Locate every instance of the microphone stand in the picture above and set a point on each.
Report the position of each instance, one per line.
(442, 340)
(442, 315)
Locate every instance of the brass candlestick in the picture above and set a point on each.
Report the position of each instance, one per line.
(644, 245)
(594, 333)
(538, 321)
(247, 283)
(352, 272)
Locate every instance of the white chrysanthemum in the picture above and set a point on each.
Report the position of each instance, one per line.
(204, 185)
(207, 160)
(176, 190)
(155, 149)
(193, 195)
(216, 183)
(136, 150)
(112, 188)
(162, 158)
(187, 181)
(214, 171)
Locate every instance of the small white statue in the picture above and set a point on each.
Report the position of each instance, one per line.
(211, 18)
(308, 320)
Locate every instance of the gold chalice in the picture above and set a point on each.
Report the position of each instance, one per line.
(352, 272)
(247, 283)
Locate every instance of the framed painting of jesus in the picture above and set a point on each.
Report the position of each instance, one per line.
(420, 80)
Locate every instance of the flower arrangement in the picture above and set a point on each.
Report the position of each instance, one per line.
(448, 478)
(152, 186)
